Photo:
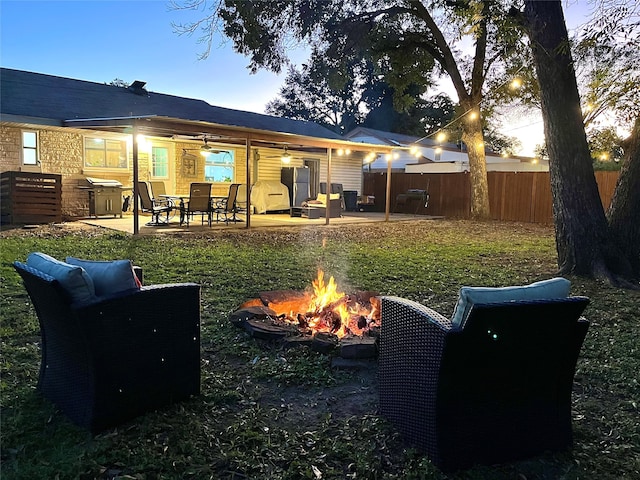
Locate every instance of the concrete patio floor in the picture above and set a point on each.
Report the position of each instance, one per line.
(272, 220)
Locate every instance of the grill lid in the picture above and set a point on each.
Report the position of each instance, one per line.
(103, 182)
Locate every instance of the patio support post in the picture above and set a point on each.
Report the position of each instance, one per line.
(328, 209)
(134, 134)
(248, 189)
(387, 202)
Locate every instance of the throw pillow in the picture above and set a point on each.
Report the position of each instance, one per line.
(543, 290)
(109, 276)
(74, 279)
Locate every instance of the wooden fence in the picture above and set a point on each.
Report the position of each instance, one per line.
(513, 196)
(30, 198)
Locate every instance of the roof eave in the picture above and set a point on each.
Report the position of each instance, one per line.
(167, 126)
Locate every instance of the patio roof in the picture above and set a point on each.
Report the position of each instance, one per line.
(162, 126)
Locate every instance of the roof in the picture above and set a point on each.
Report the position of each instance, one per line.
(390, 138)
(55, 100)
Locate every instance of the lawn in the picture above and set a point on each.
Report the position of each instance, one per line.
(265, 413)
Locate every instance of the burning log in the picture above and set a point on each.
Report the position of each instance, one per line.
(333, 306)
(325, 309)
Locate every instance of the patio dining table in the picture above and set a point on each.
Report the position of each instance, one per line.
(180, 198)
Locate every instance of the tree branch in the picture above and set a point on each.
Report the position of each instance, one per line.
(445, 58)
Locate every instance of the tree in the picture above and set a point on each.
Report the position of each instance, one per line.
(403, 37)
(607, 51)
(118, 82)
(605, 144)
(624, 211)
(307, 94)
(585, 244)
(342, 95)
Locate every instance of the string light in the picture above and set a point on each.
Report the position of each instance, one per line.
(515, 83)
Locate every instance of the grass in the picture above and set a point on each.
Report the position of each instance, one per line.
(268, 414)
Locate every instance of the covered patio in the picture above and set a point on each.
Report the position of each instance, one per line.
(270, 220)
(172, 128)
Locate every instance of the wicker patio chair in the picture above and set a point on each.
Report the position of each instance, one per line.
(497, 390)
(106, 362)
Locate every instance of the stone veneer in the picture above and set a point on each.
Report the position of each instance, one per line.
(61, 152)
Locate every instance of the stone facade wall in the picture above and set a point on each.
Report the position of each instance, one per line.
(61, 151)
(10, 144)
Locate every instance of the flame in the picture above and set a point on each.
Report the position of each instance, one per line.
(326, 309)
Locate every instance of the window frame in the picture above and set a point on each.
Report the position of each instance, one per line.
(207, 163)
(106, 138)
(24, 148)
(153, 162)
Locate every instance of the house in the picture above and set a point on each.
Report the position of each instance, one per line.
(79, 129)
(426, 155)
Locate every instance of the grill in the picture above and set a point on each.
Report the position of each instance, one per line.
(105, 196)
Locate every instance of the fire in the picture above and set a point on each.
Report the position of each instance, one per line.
(326, 309)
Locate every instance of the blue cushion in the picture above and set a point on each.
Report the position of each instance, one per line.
(108, 276)
(73, 279)
(546, 289)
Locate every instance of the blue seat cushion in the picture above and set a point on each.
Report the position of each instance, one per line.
(109, 277)
(74, 279)
(544, 290)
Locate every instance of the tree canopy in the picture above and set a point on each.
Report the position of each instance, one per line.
(406, 41)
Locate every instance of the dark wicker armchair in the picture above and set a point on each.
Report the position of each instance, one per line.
(106, 362)
(495, 391)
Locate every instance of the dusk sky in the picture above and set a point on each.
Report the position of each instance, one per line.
(100, 41)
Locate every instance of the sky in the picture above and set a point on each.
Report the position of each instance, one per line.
(101, 40)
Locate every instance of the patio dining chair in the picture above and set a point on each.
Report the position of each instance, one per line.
(155, 207)
(199, 203)
(157, 190)
(490, 385)
(227, 209)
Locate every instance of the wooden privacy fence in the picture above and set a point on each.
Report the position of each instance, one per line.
(513, 196)
(30, 197)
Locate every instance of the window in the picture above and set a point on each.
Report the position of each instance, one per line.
(29, 148)
(105, 153)
(160, 162)
(220, 167)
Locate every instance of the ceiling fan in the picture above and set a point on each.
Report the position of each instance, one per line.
(205, 149)
(285, 156)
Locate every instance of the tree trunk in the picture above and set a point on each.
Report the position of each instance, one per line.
(624, 212)
(474, 140)
(582, 237)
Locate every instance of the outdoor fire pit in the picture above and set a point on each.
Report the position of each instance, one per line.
(320, 317)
